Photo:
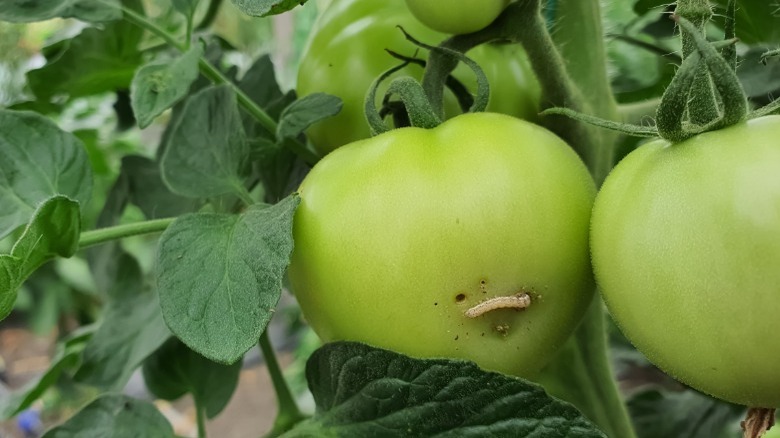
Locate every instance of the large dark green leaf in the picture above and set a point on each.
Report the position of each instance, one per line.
(362, 391)
(220, 276)
(207, 151)
(37, 161)
(175, 370)
(158, 85)
(131, 330)
(262, 8)
(25, 11)
(95, 61)
(115, 416)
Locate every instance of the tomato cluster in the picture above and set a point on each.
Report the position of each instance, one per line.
(474, 239)
(346, 52)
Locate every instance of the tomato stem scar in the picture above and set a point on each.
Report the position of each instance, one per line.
(516, 301)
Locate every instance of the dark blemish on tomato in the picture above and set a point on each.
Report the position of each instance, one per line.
(435, 304)
(460, 297)
(456, 337)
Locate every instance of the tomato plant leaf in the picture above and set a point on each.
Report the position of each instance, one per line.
(95, 61)
(148, 192)
(160, 84)
(206, 152)
(259, 82)
(662, 413)
(37, 161)
(175, 370)
(220, 276)
(305, 112)
(263, 8)
(26, 11)
(9, 283)
(364, 391)
(132, 329)
(53, 231)
(116, 416)
(67, 356)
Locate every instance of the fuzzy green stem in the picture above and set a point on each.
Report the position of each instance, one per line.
(216, 76)
(703, 107)
(200, 418)
(288, 414)
(103, 235)
(583, 364)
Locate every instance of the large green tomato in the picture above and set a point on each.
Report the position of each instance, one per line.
(456, 16)
(405, 241)
(345, 53)
(686, 250)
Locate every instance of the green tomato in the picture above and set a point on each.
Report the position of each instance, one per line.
(686, 250)
(456, 16)
(399, 238)
(346, 53)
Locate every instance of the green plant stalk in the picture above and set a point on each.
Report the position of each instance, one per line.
(288, 414)
(216, 76)
(703, 107)
(103, 235)
(583, 364)
(200, 418)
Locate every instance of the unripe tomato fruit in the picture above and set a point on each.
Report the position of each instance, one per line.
(456, 16)
(686, 250)
(397, 236)
(346, 53)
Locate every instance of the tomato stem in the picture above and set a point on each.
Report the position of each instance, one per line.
(288, 414)
(103, 235)
(757, 422)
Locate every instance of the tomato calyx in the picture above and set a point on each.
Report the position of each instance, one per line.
(704, 95)
(418, 106)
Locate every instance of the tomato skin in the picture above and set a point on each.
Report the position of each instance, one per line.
(686, 250)
(346, 53)
(456, 16)
(390, 230)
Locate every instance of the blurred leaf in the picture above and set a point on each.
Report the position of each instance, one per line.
(115, 416)
(186, 7)
(220, 276)
(149, 192)
(262, 8)
(305, 112)
(157, 86)
(132, 329)
(39, 161)
(175, 370)
(259, 82)
(95, 61)
(66, 356)
(758, 78)
(25, 11)
(362, 391)
(662, 414)
(207, 150)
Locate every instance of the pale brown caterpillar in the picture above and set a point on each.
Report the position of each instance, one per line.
(516, 301)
